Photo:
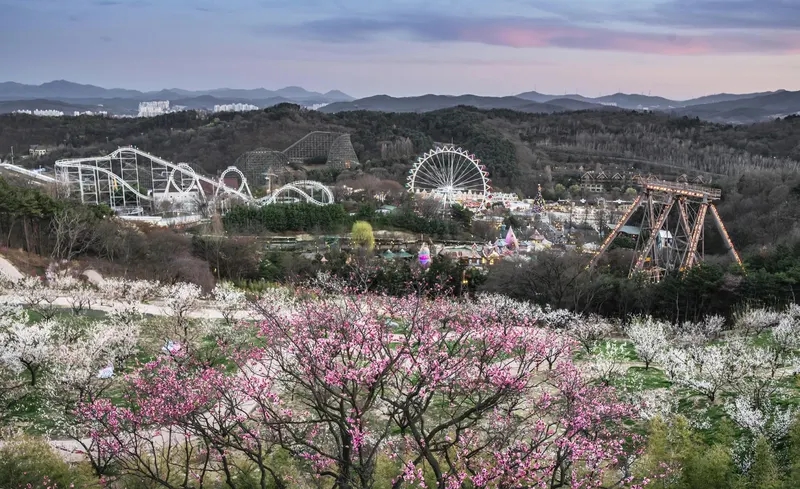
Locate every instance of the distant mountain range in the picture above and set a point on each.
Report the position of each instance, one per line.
(724, 108)
(69, 97)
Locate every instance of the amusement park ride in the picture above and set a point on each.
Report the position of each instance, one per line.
(129, 180)
(672, 231)
(669, 239)
(450, 175)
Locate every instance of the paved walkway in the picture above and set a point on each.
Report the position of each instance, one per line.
(8, 270)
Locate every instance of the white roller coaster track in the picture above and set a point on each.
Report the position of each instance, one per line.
(243, 187)
(174, 168)
(179, 175)
(28, 173)
(112, 177)
(300, 187)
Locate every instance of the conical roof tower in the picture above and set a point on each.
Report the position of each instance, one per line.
(538, 202)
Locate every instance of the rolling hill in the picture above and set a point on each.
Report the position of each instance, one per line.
(65, 90)
(723, 107)
(430, 102)
(741, 109)
(746, 110)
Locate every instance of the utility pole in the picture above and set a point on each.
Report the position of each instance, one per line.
(269, 176)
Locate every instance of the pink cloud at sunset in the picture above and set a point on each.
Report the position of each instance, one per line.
(679, 48)
(520, 36)
(523, 32)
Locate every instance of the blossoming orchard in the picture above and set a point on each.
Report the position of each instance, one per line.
(143, 384)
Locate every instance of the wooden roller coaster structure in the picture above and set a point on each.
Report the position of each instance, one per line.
(672, 232)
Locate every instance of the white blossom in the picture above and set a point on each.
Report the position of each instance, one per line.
(607, 363)
(76, 364)
(700, 332)
(229, 300)
(793, 311)
(329, 283)
(120, 289)
(37, 296)
(181, 298)
(766, 419)
(755, 321)
(558, 318)
(505, 306)
(786, 334)
(649, 338)
(26, 345)
(736, 364)
(589, 330)
(79, 294)
(707, 376)
(655, 403)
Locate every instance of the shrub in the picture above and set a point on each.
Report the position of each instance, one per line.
(32, 461)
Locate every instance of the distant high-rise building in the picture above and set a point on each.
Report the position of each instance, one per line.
(43, 113)
(153, 108)
(89, 112)
(235, 107)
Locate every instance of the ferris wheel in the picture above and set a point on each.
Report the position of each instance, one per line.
(451, 175)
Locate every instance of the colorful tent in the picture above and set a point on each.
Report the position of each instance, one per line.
(511, 238)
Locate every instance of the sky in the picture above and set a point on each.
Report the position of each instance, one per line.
(673, 48)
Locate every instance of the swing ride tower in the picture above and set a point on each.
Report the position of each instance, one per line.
(671, 235)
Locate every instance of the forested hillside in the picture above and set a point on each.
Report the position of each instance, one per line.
(511, 143)
(756, 165)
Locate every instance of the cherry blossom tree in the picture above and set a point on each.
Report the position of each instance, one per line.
(698, 333)
(61, 278)
(229, 301)
(189, 424)
(553, 346)
(767, 420)
(76, 365)
(337, 383)
(754, 321)
(655, 403)
(25, 345)
(673, 361)
(649, 337)
(588, 330)
(607, 363)
(503, 305)
(37, 296)
(707, 373)
(178, 327)
(735, 365)
(82, 371)
(558, 318)
(12, 384)
(785, 339)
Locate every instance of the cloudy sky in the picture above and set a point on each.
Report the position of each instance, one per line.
(675, 48)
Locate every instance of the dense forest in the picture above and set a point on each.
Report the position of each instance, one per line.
(755, 165)
(512, 144)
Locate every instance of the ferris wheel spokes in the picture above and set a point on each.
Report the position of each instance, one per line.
(451, 175)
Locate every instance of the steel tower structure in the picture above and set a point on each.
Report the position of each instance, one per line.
(672, 231)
